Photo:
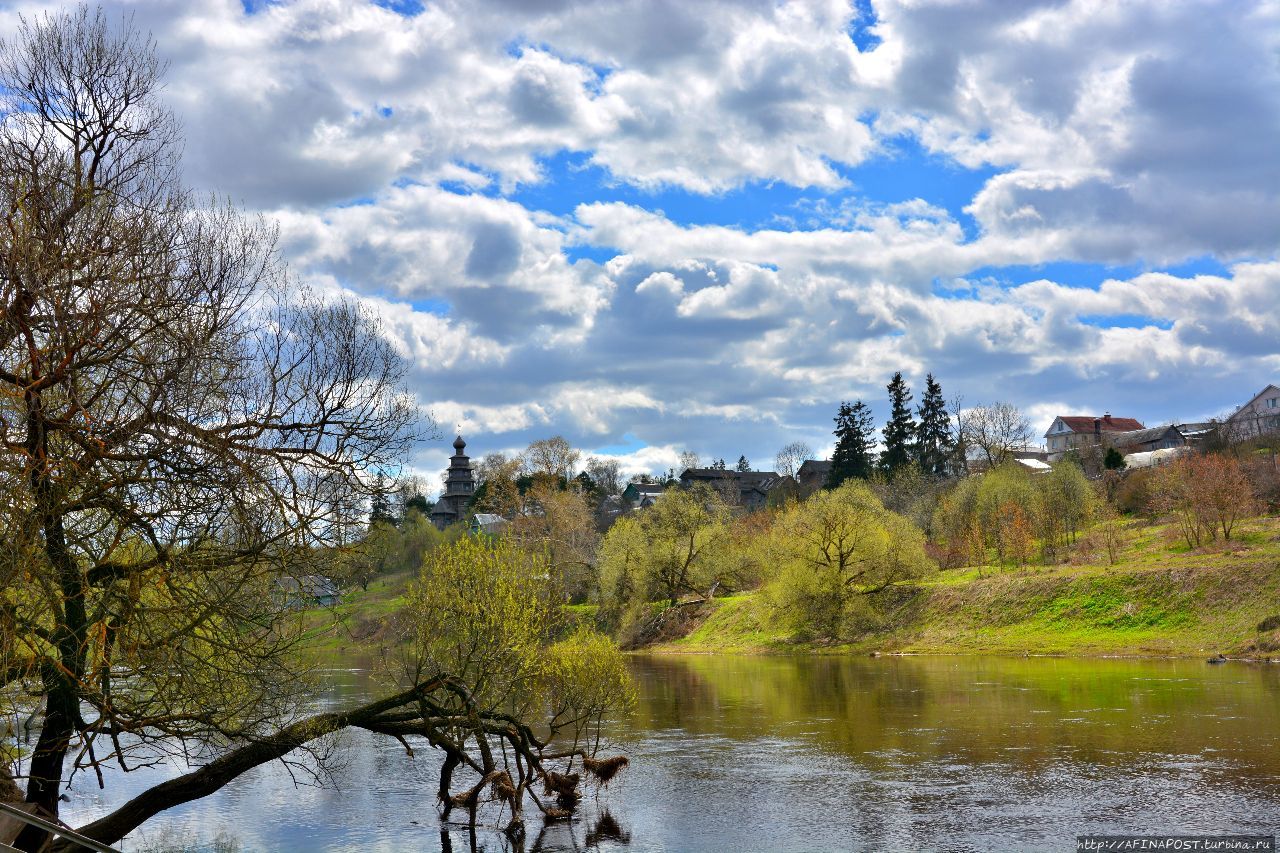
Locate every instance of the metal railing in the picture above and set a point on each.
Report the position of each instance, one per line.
(52, 828)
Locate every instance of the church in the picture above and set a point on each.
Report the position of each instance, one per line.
(459, 486)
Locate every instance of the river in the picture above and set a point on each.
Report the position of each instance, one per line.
(811, 754)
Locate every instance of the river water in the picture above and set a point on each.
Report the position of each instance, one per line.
(812, 754)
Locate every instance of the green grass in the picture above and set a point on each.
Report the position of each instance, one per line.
(1160, 598)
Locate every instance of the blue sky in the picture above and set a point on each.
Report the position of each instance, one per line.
(655, 227)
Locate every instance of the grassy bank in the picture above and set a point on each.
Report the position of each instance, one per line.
(1160, 598)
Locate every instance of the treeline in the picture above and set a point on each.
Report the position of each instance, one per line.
(824, 560)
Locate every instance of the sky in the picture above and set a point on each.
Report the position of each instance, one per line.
(652, 226)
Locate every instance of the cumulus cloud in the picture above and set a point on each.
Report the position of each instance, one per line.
(392, 149)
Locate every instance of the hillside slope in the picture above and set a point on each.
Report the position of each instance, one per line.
(1159, 599)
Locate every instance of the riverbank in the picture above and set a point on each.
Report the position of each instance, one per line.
(1158, 599)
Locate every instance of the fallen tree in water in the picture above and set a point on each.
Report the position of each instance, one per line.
(519, 710)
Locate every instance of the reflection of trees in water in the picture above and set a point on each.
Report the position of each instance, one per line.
(553, 836)
(1026, 715)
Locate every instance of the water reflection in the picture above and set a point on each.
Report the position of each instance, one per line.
(814, 754)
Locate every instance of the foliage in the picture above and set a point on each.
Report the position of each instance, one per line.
(559, 523)
(672, 548)
(935, 441)
(900, 431)
(1009, 508)
(1113, 460)
(184, 428)
(743, 465)
(832, 550)
(481, 627)
(551, 459)
(585, 681)
(852, 455)
(1206, 494)
(910, 492)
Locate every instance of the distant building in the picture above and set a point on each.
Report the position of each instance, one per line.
(459, 487)
(1076, 432)
(308, 591)
(487, 522)
(747, 489)
(812, 476)
(1258, 416)
(1143, 440)
(641, 495)
(1194, 433)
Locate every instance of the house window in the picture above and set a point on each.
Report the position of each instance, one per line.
(1273, 402)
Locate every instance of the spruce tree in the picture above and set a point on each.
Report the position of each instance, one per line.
(852, 456)
(935, 442)
(900, 431)
(743, 464)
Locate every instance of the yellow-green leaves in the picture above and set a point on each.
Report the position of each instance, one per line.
(483, 612)
(832, 549)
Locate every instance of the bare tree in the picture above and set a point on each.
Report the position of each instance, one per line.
(181, 430)
(606, 474)
(689, 459)
(997, 430)
(791, 457)
(552, 458)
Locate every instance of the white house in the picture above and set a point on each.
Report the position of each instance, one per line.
(1259, 415)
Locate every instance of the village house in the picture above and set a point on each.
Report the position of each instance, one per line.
(641, 495)
(1143, 440)
(813, 475)
(1258, 416)
(1077, 432)
(747, 489)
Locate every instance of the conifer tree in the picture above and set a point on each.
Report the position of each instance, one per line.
(852, 456)
(935, 441)
(900, 431)
(743, 464)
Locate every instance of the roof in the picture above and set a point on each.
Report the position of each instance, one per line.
(1106, 423)
(1035, 465)
(1142, 436)
(1254, 399)
(817, 466)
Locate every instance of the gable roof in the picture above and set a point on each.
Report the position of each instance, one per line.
(1254, 399)
(1106, 423)
(1142, 436)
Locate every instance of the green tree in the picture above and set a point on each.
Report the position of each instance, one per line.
(834, 550)
(485, 612)
(670, 549)
(935, 439)
(1113, 460)
(852, 455)
(900, 431)
(185, 431)
(380, 512)
(743, 464)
